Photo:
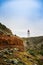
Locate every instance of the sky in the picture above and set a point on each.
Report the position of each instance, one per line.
(21, 15)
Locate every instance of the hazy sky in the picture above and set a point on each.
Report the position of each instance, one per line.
(21, 15)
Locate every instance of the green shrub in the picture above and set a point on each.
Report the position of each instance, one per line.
(41, 52)
(32, 52)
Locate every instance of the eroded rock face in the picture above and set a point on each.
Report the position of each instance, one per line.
(11, 42)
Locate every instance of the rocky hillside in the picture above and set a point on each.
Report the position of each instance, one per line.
(8, 40)
(34, 44)
(5, 30)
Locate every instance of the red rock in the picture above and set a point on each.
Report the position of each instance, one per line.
(11, 42)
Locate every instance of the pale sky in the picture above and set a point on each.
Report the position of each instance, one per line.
(21, 15)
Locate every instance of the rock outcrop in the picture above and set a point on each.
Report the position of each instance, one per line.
(11, 42)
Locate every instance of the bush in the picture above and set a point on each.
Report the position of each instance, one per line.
(41, 52)
(32, 52)
(21, 63)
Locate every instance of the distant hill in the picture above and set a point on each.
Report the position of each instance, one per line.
(5, 30)
(34, 42)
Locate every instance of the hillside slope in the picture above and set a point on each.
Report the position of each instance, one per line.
(5, 30)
